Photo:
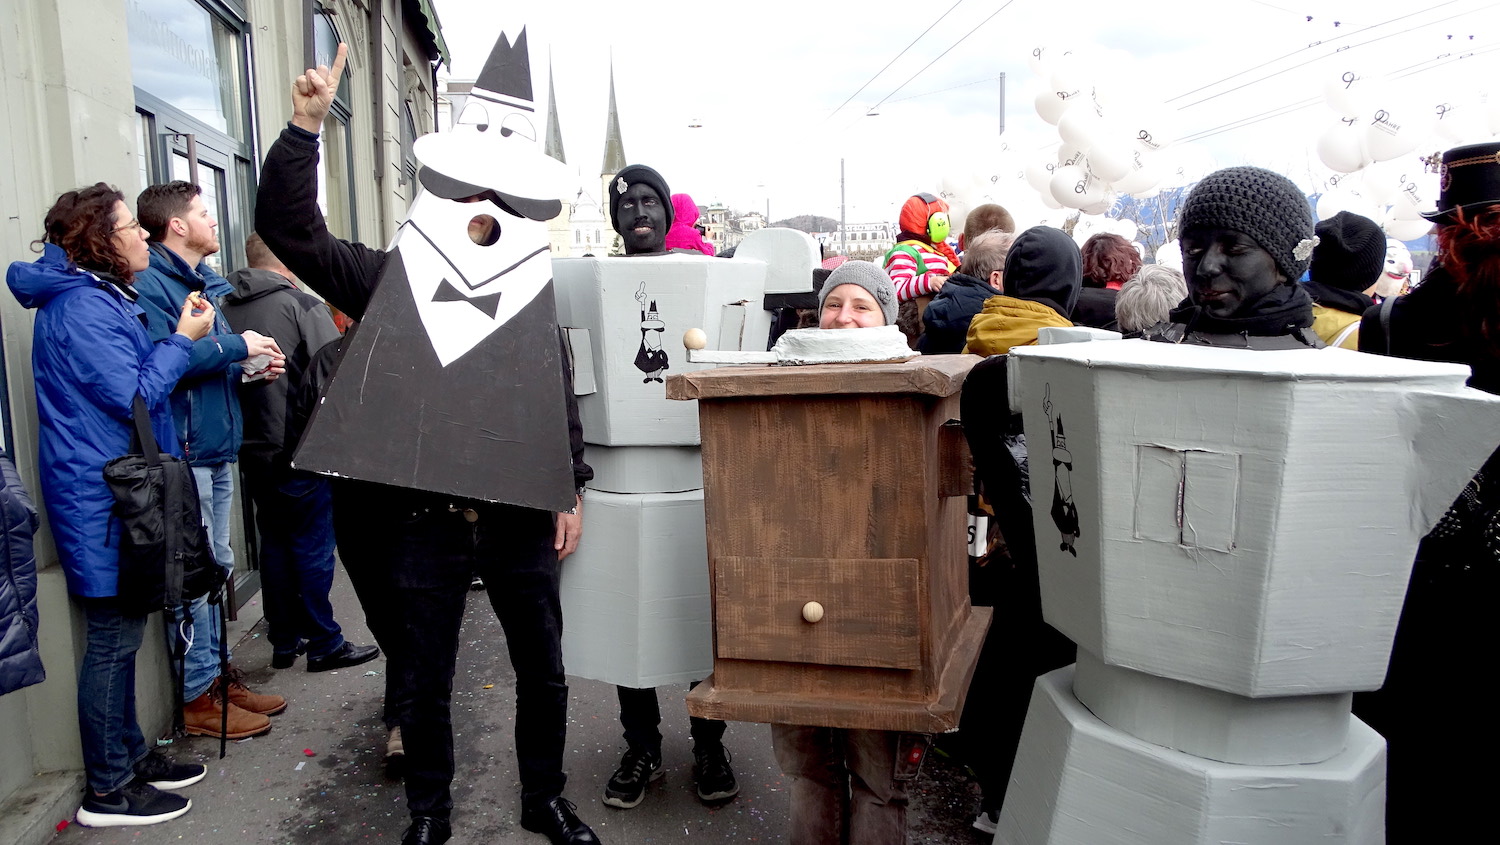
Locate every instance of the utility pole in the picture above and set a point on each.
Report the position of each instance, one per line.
(843, 219)
(1002, 103)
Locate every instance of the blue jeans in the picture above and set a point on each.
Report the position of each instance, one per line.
(112, 741)
(294, 514)
(215, 497)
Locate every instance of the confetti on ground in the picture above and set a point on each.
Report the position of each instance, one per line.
(299, 765)
(61, 825)
(309, 752)
(161, 742)
(489, 686)
(371, 672)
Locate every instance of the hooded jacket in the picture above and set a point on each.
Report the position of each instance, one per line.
(1043, 275)
(205, 403)
(1006, 322)
(946, 320)
(682, 235)
(90, 356)
(20, 658)
(267, 302)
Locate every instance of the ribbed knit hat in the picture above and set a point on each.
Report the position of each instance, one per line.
(1350, 254)
(630, 176)
(1264, 205)
(868, 276)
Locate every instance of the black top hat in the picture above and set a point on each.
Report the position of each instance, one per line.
(1469, 179)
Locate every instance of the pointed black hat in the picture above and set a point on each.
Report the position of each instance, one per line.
(507, 72)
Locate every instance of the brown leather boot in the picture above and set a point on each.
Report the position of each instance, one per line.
(243, 697)
(202, 717)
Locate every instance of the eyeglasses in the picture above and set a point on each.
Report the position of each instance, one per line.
(133, 224)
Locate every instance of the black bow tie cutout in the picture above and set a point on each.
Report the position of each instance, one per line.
(448, 293)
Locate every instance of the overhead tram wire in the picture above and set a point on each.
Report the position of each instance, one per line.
(1279, 111)
(893, 61)
(1313, 45)
(1320, 58)
(976, 28)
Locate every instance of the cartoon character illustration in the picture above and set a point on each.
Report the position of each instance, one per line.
(651, 359)
(1397, 275)
(1064, 511)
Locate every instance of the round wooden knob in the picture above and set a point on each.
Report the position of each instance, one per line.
(812, 611)
(694, 339)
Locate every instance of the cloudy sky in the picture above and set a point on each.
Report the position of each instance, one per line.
(782, 90)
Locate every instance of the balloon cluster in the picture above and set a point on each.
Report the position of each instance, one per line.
(1375, 140)
(1109, 144)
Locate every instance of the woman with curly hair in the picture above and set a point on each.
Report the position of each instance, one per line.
(90, 357)
(1109, 261)
(1446, 628)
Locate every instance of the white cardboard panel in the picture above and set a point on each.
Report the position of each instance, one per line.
(1210, 723)
(1276, 563)
(1077, 781)
(645, 469)
(607, 296)
(635, 600)
(790, 257)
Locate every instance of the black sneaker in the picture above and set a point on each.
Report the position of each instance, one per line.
(557, 821)
(712, 774)
(162, 773)
(627, 786)
(136, 803)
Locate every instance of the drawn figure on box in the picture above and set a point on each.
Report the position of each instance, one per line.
(650, 359)
(1064, 511)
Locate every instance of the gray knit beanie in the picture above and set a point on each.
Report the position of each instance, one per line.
(868, 276)
(1264, 205)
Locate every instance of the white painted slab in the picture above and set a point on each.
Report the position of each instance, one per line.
(645, 469)
(1211, 723)
(1077, 781)
(635, 595)
(1246, 519)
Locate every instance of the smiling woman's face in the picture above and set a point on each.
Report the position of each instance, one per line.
(1226, 270)
(850, 307)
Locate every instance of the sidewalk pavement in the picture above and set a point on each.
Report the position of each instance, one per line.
(318, 776)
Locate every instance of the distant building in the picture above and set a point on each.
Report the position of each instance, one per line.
(863, 241)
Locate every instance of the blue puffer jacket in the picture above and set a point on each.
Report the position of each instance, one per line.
(90, 355)
(206, 403)
(20, 661)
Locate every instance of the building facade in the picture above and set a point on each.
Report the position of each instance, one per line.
(135, 92)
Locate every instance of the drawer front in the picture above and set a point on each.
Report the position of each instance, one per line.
(871, 611)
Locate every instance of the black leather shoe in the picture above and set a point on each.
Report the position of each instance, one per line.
(285, 661)
(426, 830)
(557, 821)
(349, 655)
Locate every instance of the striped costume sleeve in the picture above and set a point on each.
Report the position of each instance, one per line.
(909, 282)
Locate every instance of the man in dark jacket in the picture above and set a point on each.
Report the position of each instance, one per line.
(206, 410)
(293, 510)
(411, 551)
(20, 656)
(946, 319)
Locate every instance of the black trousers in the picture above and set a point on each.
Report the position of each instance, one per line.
(640, 715)
(415, 559)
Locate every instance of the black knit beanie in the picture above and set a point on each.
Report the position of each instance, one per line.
(1264, 205)
(1350, 253)
(629, 176)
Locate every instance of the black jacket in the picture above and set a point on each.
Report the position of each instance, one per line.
(1044, 266)
(20, 658)
(269, 303)
(946, 320)
(1096, 308)
(1428, 325)
(345, 273)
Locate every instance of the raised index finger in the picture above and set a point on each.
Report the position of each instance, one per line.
(336, 73)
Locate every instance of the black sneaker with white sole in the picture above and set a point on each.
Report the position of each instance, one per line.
(627, 786)
(162, 773)
(134, 804)
(712, 774)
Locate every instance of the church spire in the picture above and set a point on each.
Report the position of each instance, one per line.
(554, 144)
(614, 147)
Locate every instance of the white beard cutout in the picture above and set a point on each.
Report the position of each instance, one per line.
(442, 261)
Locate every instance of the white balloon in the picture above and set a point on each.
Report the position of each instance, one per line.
(1125, 228)
(1169, 254)
(1391, 133)
(1348, 199)
(1041, 58)
(1048, 200)
(1050, 105)
(1080, 125)
(1069, 185)
(1101, 207)
(1150, 126)
(1418, 193)
(1346, 93)
(1341, 147)
(1039, 173)
(1382, 180)
(1111, 160)
(1143, 175)
(1071, 73)
(1492, 113)
(1407, 230)
(1457, 124)
(1069, 154)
